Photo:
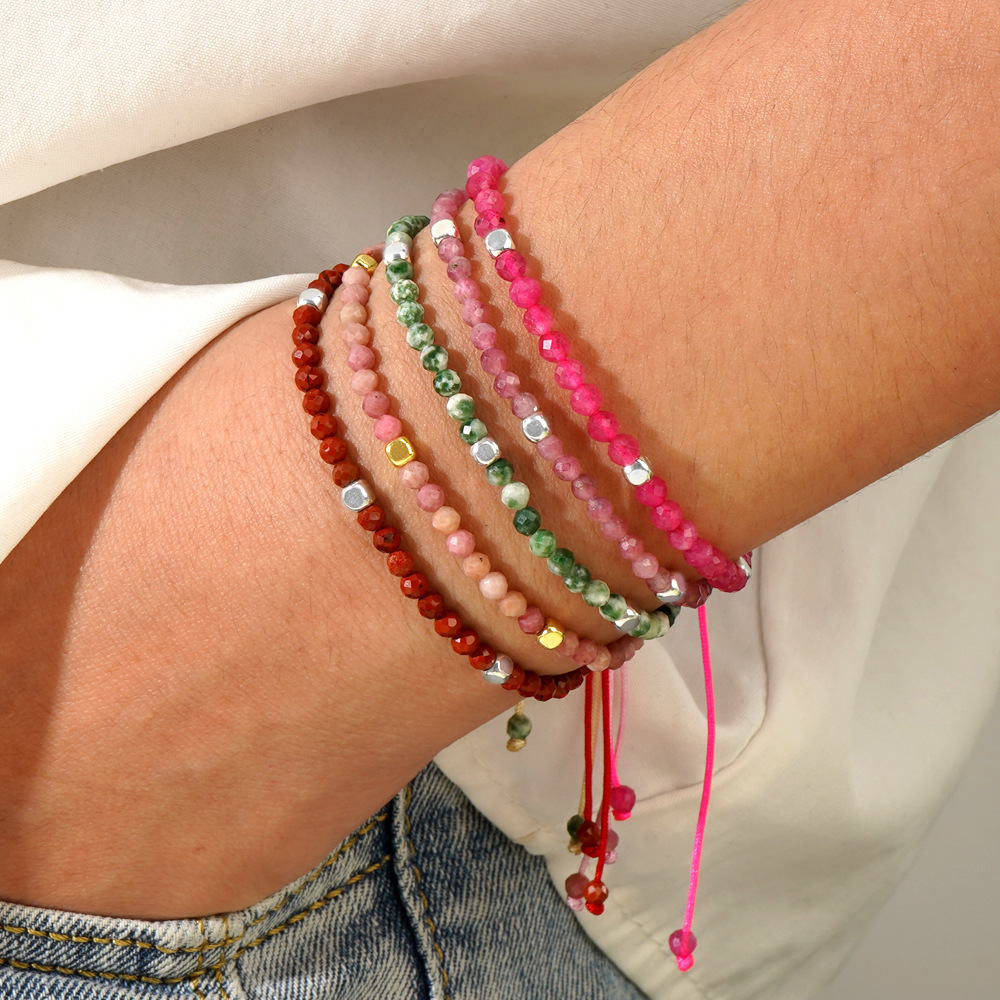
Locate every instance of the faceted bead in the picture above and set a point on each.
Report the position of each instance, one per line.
(355, 293)
(446, 520)
(489, 200)
(596, 593)
(413, 474)
(399, 270)
(461, 406)
(472, 431)
(375, 404)
(527, 521)
(681, 947)
(553, 346)
(483, 336)
(408, 313)
(458, 268)
(333, 449)
(344, 472)
(450, 248)
(465, 643)
(499, 472)
(476, 565)
(372, 518)
(532, 621)
(622, 801)
(464, 287)
(515, 496)
(698, 554)
(493, 586)
(550, 448)
(523, 405)
(483, 658)
(307, 314)
(307, 378)
(599, 509)
(448, 625)
(430, 497)
(666, 516)
(577, 579)
(525, 292)
(386, 539)
(473, 312)
(569, 374)
(316, 401)
(400, 562)
(510, 265)
(513, 605)
(360, 357)
(614, 607)
(585, 652)
(602, 426)
(566, 467)
(414, 586)
(323, 425)
(596, 892)
(399, 451)
(461, 543)
(306, 354)
(404, 291)
(486, 222)
(353, 312)
(584, 487)
(576, 884)
(518, 727)
(614, 528)
(586, 400)
(652, 493)
(431, 606)
(683, 536)
(630, 547)
(623, 449)
(530, 686)
(387, 427)
(493, 361)
(570, 643)
(447, 382)
(542, 543)
(364, 381)
(561, 562)
(434, 358)
(601, 661)
(537, 320)
(357, 495)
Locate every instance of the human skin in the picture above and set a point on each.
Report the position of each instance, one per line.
(778, 246)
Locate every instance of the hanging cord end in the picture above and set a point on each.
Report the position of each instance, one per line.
(682, 944)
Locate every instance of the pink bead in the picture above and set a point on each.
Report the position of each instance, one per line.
(353, 312)
(476, 565)
(602, 426)
(682, 947)
(683, 536)
(523, 405)
(622, 801)
(549, 448)
(356, 334)
(576, 885)
(631, 547)
(537, 320)
(459, 267)
(364, 382)
(586, 399)
(450, 248)
(566, 467)
(614, 528)
(355, 276)
(493, 361)
(553, 346)
(414, 475)
(506, 385)
(601, 662)
(569, 374)
(584, 487)
(445, 207)
(473, 312)
(479, 182)
(491, 166)
(532, 621)
(646, 566)
(618, 656)
(430, 497)
(489, 200)
(493, 586)
(664, 579)
(360, 357)
(354, 293)
(586, 652)
(623, 449)
(461, 543)
(486, 222)
(483, 336)
(510, 265)
(599, 509)
(525, 291)
(652, 493)
(699, 554)
(569, 644)
(464, 288)
(513, 605)
(445, 519)
(375, 404)
(666, 516)
(387, 428)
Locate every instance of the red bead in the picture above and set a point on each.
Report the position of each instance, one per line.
(482, 658)
(323, 425)
(307, 314)
(431, 606)
(333, 449)
(578, 677)
(596, 892)
(622, 801)
(530, 685)
(305, 333)
(323, 285)
(596, 908)
(547, 690)
(414, 586)
(372, 517)
(515, 680)
(335, 274)
(306, 354)
(680, 947)
(448, 625)
(316, 401)
(563, 686)
(466, 642)
(344, 472)
(399, 563)
(588, 833)
(386, 539)
(307, 378)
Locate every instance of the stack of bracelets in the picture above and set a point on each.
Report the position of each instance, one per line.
(591, 834)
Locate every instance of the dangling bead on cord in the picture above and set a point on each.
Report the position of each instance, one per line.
(518, 728)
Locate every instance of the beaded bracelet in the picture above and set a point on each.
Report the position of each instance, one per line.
(358, 497)
(499, 471)
(671, 588)
(525, 292)
(430, 497)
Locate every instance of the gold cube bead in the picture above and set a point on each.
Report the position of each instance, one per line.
(400, 451)
(552, 635)
(365, 260)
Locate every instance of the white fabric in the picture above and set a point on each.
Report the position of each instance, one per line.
(853, 673)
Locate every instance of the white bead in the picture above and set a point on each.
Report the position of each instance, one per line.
(502, 668)
(396, 250)
(638, 472)
(665, 621)
(535, 427)
(498, 240)
(357, 495)
(745, 566)
(485, 451)
(441, 230)
(628, 621)
(313, 297)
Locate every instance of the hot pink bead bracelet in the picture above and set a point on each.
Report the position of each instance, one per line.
(586, 398)
(669, 586)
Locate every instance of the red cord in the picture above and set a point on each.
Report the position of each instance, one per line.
(606, 793)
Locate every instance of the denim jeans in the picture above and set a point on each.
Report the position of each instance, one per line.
(426, 900)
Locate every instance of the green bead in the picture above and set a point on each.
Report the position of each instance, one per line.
(461, 407)
(399, 270)
(515, 496)
(574, 824)
(596, 593)
(614, 607)
(561, 562)
(671, 612)
(434, 358)
(404, 291)
(499, 472)
(397, 227)
(419, 336)
(421, 222)
(643, 626)
(447, 382)
(409, 224)
(655, 629)
(518, 727)
(409, 313)
(472, 431)
(527, 521)
(577, 578)
(542, 543)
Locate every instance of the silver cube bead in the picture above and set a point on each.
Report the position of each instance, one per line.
(396, 251)
(502, 668)
(313, 297)
(675, 592)
(628, 621)
(357, 495)
(485, 451)
(638, 472)
(497, 241)
(535, 427)
(441, 230)
(745, 566)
